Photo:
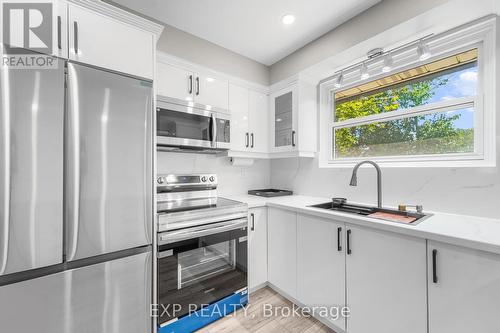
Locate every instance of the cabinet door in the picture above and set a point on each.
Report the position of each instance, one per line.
(321, 264)
(211, 91)
(104, 42)
(60, 30)
(283, 120)
(238, 107)
(386, 282)
(257, 247)
(465, 297)
(259, 120)
(282, 247)
(174, 82)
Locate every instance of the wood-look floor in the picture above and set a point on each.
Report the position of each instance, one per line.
(255, 322)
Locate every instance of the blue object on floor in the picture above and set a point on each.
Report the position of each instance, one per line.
(207, 315)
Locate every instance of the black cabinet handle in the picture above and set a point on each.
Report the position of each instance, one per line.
(349, 241)
(59, 46)
(339, 244)
(251, 135)
(252, 216)
(75, 32)
(190, 84)
(246, 139)
(293, 138)
(434, 266)
(197, 86)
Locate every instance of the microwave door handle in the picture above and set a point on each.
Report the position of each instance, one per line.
(214, 130)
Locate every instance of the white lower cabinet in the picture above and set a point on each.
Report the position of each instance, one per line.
(282, 250)
(321, 266)
(257, 247)
(464, 290)
(386, 282)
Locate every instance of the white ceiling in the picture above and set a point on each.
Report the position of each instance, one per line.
(252, 28)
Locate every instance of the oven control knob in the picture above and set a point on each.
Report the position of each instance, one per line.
(203, 179)
(212, 179)
(160, 180)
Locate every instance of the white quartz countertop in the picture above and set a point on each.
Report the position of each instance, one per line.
(469, 231)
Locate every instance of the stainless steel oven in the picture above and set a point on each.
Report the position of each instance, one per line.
(202, 249)
(181, 126)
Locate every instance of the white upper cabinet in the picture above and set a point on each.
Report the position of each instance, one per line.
(386, 282)
(321, 264)
(258, 122)
(59, 30)
(464, 289)
(284, 120)
(174, 82)
(293, 120)
(188, 86)
(211, 91)
(103, 41)
(257, 247)
(282, 250)
(238, 107)
(249, 120)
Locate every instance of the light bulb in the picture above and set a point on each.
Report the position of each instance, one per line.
(388, 62)
(423, 51)
(364, 72)
(340, 79)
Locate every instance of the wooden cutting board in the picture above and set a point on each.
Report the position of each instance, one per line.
(393, 217)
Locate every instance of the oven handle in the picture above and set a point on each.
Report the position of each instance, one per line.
(210, 229)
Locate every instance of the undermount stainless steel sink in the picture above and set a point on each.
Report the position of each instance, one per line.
(363, 210)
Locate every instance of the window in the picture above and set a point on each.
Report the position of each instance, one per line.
(430, 103)
(425, 110)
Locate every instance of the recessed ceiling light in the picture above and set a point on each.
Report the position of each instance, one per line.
(288, 19)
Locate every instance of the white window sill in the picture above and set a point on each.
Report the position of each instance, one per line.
(469, 162)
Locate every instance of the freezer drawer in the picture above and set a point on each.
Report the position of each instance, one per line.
(109, 162)
(31, 168)
(109, 297)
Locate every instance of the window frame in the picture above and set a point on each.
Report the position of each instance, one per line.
(484, 117)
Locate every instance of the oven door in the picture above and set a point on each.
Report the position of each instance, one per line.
(179, 125)
(199, 266)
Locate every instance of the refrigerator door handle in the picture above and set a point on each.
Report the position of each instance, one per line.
(73, 190)
(6, 160)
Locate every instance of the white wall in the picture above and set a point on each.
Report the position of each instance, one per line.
(232, 180)
(376, 19)
(202, 52)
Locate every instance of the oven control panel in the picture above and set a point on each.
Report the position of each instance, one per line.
(180, 181)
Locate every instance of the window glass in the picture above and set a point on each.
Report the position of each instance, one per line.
(438, 133)
(442, 80)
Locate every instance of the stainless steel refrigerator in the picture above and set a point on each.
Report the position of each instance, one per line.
(75, 200)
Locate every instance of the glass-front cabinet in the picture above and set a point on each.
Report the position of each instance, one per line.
(284, 120)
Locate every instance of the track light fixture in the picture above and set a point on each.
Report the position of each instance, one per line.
(339, 80)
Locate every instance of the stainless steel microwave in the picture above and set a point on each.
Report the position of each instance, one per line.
(188, 127)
